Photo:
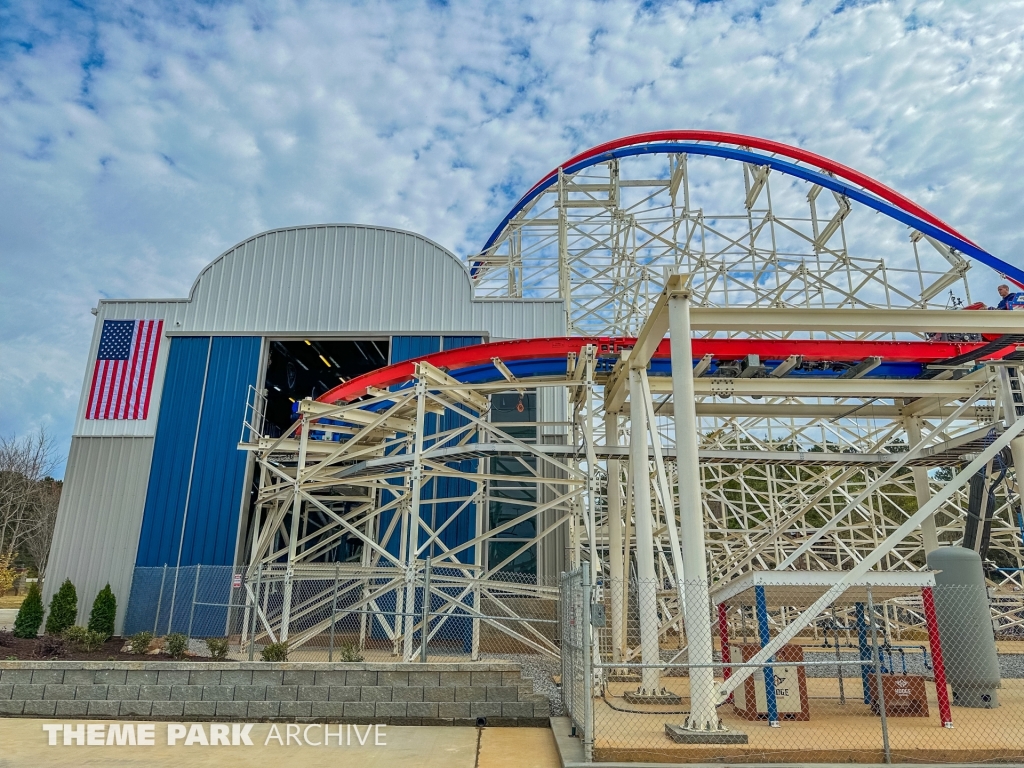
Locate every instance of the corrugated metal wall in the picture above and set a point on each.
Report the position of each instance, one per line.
(353, 278)
(408, 347)
(218, 480)
(455, 342)
(195, 488)
(173, 451)
(97, 529)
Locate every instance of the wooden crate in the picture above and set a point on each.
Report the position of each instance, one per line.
(905, 695)
(749, 700)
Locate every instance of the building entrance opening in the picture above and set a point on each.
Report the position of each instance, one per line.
(309, 367)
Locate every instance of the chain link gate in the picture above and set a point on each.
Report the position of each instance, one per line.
(577, 664)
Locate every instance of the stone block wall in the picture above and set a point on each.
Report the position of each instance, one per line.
(396, 694)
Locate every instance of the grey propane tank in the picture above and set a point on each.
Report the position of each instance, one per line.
(965, 627)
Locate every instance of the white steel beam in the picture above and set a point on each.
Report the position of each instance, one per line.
(647, 588)
(806, 387)
(863, 320)
(922, 487)
(656, 325)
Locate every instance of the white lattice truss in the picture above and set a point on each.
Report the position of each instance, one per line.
(798, 475)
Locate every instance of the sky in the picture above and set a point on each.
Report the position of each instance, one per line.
(139, 141)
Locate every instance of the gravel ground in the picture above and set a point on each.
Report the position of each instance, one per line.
(1011, 666)
(539, 669)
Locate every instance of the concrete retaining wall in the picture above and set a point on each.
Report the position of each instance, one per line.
(397, 694)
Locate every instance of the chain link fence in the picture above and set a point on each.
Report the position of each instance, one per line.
(337, 611)
(577, 667)
(886, 672)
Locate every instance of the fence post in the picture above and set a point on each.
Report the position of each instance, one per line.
(878, 677)
(865, 653)
(255, 610)
(334, 613)
(563, 634)
(174, 595)
(159, 599)
(764, 635)
(588, 676)
(192, 610)
(426, 612)
(938, 662)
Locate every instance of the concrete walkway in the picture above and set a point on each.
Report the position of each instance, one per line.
(25, 745)
(7, 617)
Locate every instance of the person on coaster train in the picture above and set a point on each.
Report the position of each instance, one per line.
(1007, 299)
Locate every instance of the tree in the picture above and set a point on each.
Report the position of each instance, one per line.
(8, 575)
(30, 615)
(28, 496)
(40, 537)
(63, 609)
(104, 609)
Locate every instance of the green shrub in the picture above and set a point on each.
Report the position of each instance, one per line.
(349, 652)
(176, 644)
(51, 647)
(30, 615)
(80, 638)
(75, 635)
(104, 610)
(63, 609)
(139, 642)
(218, 647)
(275, 652)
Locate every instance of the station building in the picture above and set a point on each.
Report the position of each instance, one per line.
(291, 313)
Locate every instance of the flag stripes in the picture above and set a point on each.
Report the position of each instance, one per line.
(122, 380)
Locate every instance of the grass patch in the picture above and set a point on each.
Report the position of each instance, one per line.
(11, 601)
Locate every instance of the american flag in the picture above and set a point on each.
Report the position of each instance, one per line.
(123, 377)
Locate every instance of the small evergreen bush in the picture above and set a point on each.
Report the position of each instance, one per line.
(80, 638)
(139, 642)
(176, 645)
(275, 652)
(218, 647)
(63, 609)
(30, 615)
(104, 609)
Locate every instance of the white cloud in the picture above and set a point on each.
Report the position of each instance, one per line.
(139, 141)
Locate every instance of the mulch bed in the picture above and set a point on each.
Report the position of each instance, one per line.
(18, 649)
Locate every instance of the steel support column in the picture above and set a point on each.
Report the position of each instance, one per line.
(293, 532)
(703, 714)
(923, 491)
(614, 525)
(647, 588)
(413, 530)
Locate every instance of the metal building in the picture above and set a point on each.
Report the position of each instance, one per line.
(172, 488)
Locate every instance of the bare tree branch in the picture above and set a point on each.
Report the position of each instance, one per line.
(28, 495)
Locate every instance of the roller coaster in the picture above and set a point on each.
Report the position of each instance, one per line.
(846, 411)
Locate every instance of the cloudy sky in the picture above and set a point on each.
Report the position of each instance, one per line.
(138, 141)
